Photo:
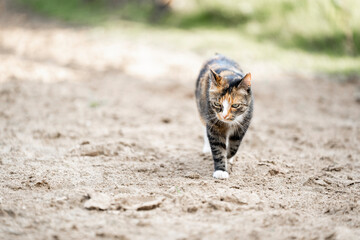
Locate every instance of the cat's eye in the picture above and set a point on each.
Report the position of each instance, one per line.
(236, 105)
(217, 104)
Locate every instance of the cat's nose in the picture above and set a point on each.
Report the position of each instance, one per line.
(226, 116)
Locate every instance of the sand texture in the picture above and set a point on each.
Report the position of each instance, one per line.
(100, 139)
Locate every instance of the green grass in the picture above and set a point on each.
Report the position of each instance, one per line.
(322, 35)
(74, 11)
(320, 26)
(90, 12)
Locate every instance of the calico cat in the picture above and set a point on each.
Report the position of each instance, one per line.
(225, 103)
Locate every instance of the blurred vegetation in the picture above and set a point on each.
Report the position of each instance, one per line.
(327, 27)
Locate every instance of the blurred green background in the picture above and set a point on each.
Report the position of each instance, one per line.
(322, 36)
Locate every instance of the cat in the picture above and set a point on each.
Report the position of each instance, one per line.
(225, 104)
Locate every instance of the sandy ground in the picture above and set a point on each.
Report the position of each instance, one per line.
(100, 138)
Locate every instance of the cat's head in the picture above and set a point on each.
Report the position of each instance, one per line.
(229, 96)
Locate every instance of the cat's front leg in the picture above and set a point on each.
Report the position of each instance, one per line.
(218, 149)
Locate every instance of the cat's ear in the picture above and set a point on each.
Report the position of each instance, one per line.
(246, 81)
(215, 78)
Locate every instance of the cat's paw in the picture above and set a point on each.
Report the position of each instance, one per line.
(220, 174)
(231, 160)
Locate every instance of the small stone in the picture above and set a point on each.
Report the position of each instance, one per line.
(193, 176)
(98, 201)
(166, 120)
(192, 209)
(149, 205)
(320, 182)
(273, 172)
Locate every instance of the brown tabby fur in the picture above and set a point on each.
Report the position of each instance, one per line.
(225, 103)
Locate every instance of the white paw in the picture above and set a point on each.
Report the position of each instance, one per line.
(231, 160)
(220, 174)
(206, 148)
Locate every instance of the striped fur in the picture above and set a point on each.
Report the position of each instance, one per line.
(225, 103)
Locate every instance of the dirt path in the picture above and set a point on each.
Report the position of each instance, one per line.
(92, 148)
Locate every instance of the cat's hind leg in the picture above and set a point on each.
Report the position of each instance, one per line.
(228, 147)
(234, 142)
(206, 148)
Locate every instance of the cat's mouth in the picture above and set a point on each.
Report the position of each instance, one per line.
(226, 120)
